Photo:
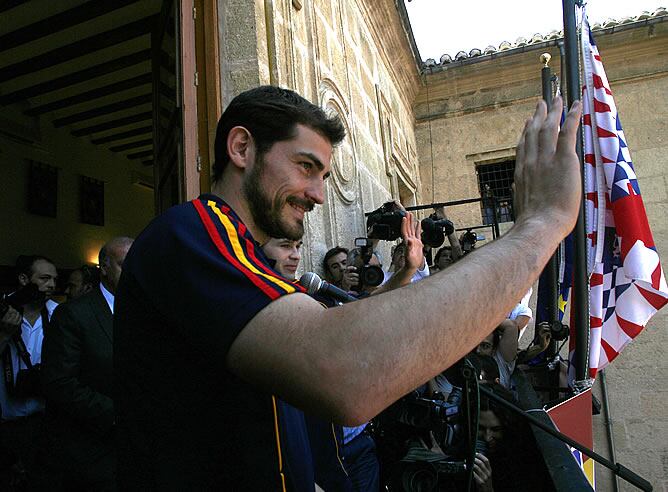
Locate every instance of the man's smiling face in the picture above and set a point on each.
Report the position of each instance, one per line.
(287, 181)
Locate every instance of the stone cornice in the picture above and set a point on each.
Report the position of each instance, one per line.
(627, 54)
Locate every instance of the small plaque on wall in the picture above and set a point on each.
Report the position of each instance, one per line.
(92, 201)
(42, 189)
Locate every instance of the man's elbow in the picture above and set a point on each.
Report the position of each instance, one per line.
(346, 399)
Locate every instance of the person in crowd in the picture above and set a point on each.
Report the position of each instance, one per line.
(77, 382)
(325, 438)
(484, 365)
(337, 271)
(511, 461)
(81, 281)
(286, 253)
(501, 345)
(21, 402)
(216, 358)
(443, 259)
(398, 262)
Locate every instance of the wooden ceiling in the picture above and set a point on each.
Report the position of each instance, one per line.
(84, 66)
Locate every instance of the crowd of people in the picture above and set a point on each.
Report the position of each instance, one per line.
(56, 399)
(191, 358)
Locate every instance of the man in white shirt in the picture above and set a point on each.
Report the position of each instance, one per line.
(21, 338)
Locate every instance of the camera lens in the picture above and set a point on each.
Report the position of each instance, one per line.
(372, 276)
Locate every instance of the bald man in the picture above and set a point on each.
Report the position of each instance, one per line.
(77, 377)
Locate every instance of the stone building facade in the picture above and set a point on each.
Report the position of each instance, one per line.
(352, 58)
(469, 114)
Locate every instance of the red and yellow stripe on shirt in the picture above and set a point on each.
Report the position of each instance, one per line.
(239, 250)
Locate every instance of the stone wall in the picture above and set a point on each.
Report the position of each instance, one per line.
(337, 54)
(472, 113)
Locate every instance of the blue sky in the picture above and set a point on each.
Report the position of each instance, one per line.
(442, 26)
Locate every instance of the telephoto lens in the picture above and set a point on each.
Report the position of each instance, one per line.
(481, 447)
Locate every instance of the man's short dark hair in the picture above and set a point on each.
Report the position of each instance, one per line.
(271, 114)
(90, 275)
(441, 251)
(24, 263)
(332, 252)
(507, 418)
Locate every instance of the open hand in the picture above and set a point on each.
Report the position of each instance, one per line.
(411, 229)
(547, 170)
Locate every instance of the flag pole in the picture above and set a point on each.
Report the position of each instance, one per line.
(551, 276)
(580, 284)
(550, 273)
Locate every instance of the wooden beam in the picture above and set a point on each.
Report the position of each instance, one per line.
(78, 48)
(91, 95)
(110, 125)
(76, 77)
(103, 110)
(131, 145)
(59, 22)
(10, 4)
(144, 130)
(141, 155)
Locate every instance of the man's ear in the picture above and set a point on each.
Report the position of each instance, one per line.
(23, 279)
(240, 147)
(103, 269)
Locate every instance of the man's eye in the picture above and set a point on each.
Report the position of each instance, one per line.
(306, 165)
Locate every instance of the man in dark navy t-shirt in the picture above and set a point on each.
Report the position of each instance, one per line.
(210, 343)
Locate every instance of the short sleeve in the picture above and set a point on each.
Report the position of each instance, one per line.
(200, 272)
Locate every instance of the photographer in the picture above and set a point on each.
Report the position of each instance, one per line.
(21, 402)
(511, 462)
(446, 255)
(501, 344)
(206, 335)
(334, 265)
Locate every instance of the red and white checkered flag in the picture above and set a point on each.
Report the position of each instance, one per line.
(627, 285)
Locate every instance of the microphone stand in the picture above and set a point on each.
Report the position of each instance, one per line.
(617, 469)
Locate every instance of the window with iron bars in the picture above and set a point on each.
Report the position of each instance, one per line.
(495, 181)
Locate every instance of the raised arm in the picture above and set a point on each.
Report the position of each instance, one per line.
(508, 340)
(351, 362)
(410, 233)
(455, 245)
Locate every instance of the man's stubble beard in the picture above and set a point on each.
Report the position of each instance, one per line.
(267, 214)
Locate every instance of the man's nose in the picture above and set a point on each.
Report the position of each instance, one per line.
(295, 254)
(316, 192)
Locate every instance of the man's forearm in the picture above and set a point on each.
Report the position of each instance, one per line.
(355, 360)
(351, 362)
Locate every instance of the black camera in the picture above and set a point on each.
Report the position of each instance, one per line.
(26, 294)
(435, 229)
(28, 383)
(402, 429)
(359, 257)
(468, 240)
(385, 222)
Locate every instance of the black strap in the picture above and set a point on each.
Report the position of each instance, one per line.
(8, 368)
(21, 350)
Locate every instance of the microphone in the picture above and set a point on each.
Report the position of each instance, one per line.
(315, 285)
